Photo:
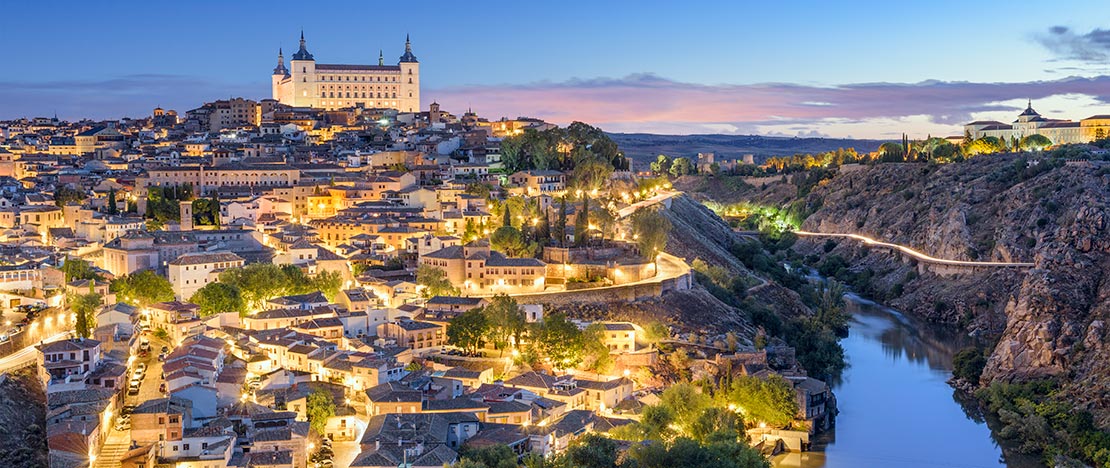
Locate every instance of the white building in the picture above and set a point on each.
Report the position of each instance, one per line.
(192, 271)
(306, 83)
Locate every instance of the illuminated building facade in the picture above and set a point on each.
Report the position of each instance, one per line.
(305, 83)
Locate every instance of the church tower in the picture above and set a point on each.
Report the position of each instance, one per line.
(434, 115)
(410, 80)
(280, 73)
(304, 76)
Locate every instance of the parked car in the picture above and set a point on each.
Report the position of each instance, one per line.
(133, 390)
(145, 344)
(126, 410)
(165, 349)
(162, 357)
(140, 368)
(162, 388)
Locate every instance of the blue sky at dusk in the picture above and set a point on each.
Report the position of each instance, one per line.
(861, 69)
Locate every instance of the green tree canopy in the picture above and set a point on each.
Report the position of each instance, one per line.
(681, 167)
(560, 341)
(467, 330)
(661, 165)
(68, 194)
(493, 456)
(505, 320)
(435, 282)
(84, 307)
(142, 288)
(77, 269)
(770, 400)
(319, 406)
(1035, 142)
(215, 298)
(510, 241)
(650, 230)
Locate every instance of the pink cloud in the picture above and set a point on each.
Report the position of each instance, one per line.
(653, 103)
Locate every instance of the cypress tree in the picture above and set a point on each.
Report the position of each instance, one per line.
(506, 215)
(561, 223)
(112, 208)
(582, 222)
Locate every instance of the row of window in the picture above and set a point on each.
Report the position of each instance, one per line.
(332, 94)
(357, 78)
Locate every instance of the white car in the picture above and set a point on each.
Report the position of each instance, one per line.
(140, 368)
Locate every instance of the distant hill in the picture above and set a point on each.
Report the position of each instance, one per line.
(644, 147)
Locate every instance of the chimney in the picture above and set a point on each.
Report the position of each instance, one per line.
(378, 444)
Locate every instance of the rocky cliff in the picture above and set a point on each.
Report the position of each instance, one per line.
(1047, 321)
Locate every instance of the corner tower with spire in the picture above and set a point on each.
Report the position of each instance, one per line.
(305, 83)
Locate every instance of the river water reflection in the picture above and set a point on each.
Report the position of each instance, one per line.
(896, 409)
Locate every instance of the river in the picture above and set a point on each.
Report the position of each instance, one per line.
(896, 409)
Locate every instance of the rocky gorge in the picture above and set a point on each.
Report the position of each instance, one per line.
(1047, 322)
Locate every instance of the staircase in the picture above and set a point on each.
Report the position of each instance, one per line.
(112, 452)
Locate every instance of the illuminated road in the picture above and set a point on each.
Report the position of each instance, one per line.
(670, 267)
(916, 254)
(628, 210)
(27, 354)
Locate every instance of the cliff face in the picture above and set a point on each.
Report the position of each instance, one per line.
(1050, 320)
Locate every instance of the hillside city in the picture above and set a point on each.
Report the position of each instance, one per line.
(257, 284)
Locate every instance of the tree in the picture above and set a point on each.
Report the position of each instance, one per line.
(595, 354)
(84, 306)
(467, 330)
(1035, 142)
(506, 215)
(505, 321)
(593, 451)
(143, 288)
(260, 282)
(215, 298)
(435, 282)
(892, 152)
(67, 194)
(319, 406)
(560, 230)
(493, 456)
(662, 165)
(681, 167)
(470, 231)
(112, 207)
(591, 174)
(511, 242)
(582, 222)
(77, 269)
(560, 341)
(650, 230)
(968, 364)
(328, 282)
(685, 402)
(770, 400)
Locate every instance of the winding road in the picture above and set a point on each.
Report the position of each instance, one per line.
(628, 210)
(916, 254)
(26, 355)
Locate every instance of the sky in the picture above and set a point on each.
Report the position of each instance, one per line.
(859, 69)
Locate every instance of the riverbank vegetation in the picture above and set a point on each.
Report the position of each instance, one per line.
(1042, 420)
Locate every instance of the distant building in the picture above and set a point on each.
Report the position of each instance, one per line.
(1029, 122)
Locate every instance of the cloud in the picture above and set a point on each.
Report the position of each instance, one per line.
(636, 103)
(1092, 47)
(649, 103)
(129, 95)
